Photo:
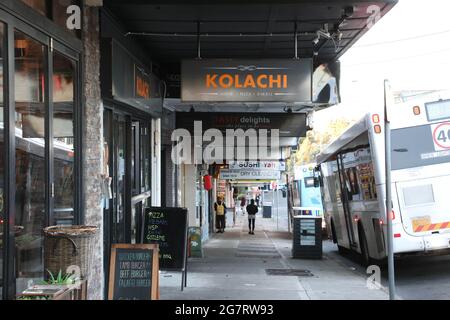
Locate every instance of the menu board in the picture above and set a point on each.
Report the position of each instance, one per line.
(134, 272)
(167, 227)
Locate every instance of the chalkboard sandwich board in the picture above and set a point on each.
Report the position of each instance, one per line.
(168, 228)
(134, 272)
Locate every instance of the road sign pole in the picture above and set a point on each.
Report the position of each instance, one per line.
(277, 204)
(387, 133)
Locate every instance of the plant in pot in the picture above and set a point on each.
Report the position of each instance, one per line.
(47, 290)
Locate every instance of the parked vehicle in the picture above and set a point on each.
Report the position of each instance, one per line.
(353, 182)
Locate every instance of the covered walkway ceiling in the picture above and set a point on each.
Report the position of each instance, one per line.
(246, 29)
(173, 30)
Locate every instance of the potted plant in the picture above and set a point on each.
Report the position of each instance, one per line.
(50, 289)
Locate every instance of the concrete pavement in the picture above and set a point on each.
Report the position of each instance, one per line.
(234, 267)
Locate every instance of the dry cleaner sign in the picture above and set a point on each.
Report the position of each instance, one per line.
(269, 80)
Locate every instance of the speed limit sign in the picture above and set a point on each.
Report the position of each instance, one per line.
(441, 136)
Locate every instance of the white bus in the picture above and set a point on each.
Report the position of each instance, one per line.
(352, 176)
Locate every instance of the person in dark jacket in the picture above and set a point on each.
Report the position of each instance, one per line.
(252, 209)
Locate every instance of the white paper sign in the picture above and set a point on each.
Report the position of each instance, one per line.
(227, 174)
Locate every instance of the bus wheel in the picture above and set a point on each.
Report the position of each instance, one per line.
(365, 258)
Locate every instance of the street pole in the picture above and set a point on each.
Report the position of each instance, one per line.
(277, 204)
(387, 133)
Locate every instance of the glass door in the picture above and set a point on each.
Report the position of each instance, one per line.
(31, 101)
(120, 170)
(2, 151)
(127, 159)
(141, 181)
(64, 154)
(38, 117)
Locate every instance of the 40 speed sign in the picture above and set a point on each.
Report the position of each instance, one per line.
(441, 136)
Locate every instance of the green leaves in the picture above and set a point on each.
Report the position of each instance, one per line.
(68, 278)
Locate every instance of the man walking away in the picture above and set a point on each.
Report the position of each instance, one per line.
(252, 209)
(219, 208)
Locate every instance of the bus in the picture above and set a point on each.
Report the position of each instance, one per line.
(352, 177)
(308, 193)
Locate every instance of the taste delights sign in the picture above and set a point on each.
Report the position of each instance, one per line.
(227, 80)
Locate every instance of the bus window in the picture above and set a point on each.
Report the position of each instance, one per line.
(367, 179)
(351, 182)
(415, 147)
(359, 175)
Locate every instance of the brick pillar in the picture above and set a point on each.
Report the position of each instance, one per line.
(93, 145)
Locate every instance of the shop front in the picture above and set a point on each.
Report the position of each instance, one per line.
(131, 137)
(40, 135)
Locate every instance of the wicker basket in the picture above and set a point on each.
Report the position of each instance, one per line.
(68, 246)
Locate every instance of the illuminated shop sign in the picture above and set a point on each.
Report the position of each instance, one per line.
(269, 80)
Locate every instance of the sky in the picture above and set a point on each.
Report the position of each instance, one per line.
(409, 46)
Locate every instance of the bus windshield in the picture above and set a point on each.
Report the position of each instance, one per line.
(420, 146)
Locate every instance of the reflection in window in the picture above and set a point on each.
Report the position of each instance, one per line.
(351, 184)
(30, 166)
(367, 178)
(63, 135)
(2, 151)
(145, 159)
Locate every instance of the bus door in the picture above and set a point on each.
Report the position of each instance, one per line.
(345, 201)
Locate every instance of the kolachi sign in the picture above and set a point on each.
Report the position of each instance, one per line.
(227, 80)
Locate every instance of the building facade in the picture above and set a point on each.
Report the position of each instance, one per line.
(80, 135)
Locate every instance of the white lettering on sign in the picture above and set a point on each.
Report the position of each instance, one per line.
(74, 19)
(441, 136)
(375, 15)
(272, 165)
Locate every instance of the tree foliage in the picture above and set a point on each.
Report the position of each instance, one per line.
(315, 141)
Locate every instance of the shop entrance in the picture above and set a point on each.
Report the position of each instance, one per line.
(127, 177)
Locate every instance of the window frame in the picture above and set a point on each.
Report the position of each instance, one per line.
(67, 46)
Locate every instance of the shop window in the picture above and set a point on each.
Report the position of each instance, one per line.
(30, 206)
(63, 138)
(2, 151)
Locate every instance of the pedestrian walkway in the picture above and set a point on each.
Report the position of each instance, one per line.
(237, 265)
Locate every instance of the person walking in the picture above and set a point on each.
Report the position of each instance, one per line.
(243, 202)
(252, 209)
(220, 208)
(257, 200)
